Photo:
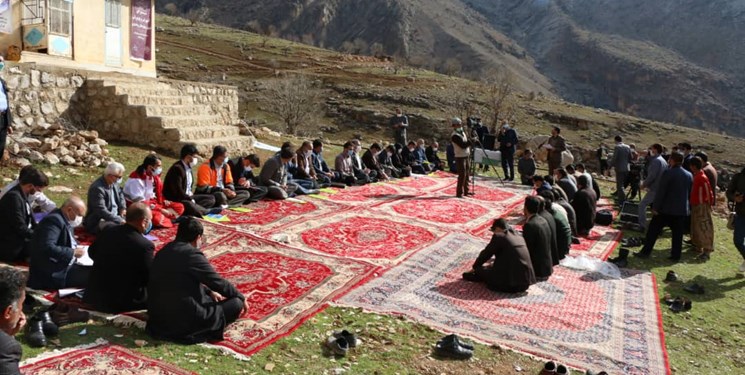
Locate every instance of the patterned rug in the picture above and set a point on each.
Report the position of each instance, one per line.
(263, 216)
(99, 360)
(360, 234)
(425, 184)
(580, 319)
(364, 196)
(285, 286)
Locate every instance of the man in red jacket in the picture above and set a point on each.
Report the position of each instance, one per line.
(702, 199)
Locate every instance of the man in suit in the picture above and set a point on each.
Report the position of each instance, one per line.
(215, 178)
(553, 242)
(274, 175)
(343, 165)
(244, 178)
(537, 235)
(620, 162)
(52, 263)
(670, 208)
(6, 119)
(179, 181)
(508, 141)
(324, 174)
(361, 172)
(122, 257)
(39, 201)
(655, 167)
(106, 205)
(370, 161)
(188, 301)
(434, 160)
(17, 223)
(585, 205)
(512, 269)
(12, 319)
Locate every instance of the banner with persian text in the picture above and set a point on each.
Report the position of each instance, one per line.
(141, 30)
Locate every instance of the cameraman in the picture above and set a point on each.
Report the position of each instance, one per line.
(462, 149)
(508, 140)
(736, 194)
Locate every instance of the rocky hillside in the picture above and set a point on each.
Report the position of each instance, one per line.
(672, 60)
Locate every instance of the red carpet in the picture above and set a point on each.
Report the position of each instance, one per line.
(580, 319)
(101, 360)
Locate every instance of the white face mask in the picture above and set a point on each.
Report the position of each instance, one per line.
(158, 171)
(390, 154)
(119, 181)
(435, 148)
(247, 169)
(77, 222)
(357, 149)
(194, 162)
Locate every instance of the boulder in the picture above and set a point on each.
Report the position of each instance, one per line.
(88, 135)
(35, 156)
(51, 158)
(67, 160)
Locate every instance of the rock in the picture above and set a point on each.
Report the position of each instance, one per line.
(46, 78)
(41, 129)
(51, 158)
(60, 189)
(94, 162)
(14, 148)
(95, 148)
(21, 162)
(88, 135)
(47, 108)
(67, 160)
(35, 78)
(62, 151)
(30, 142)
(101, 142)
(35, 156)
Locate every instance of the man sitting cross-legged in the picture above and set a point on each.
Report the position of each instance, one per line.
(188, 302)
(52, 263)
(106, 205)
(214, 177)
(16, 221)
(343, 165)
(121, 264)
(584, 205)
(144, 185)
(323, 172)
(537, 236)
(361, 172)
(179, 182)
(512, 270)
(274, 175)
(370, 160)
(244, 178)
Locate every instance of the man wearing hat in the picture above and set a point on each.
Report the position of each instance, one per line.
(462, 149)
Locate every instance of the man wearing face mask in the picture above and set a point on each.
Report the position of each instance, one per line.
(214, 177)
(6, 120)
(144, 185)
(53, 263)
(122, 257)
(305, 175)
(399, 123)
(179, 181)
(362, 173)
(343, 165)
(16, 220)
(39, 202)
(244, 178)
(462, 148)
(410, 158)
(106, 205)
(370, 160)
(323, 172)
(434, 160)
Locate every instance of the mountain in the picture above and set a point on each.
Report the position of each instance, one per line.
(670, 60)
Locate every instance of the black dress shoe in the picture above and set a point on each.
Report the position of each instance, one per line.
(681, 304)
(338, 346)
(694, 288)
(562, 370)
(642, 255)
(35, 334)
(549, 368)
(452, 350)
(671, 276)
(457, 340)
(50, 329)
(346, 335)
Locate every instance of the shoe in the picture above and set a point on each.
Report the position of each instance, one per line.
(63, 314)
(694, 288)
(338, 346)
(50, 329)
(623, 255)
(549, 368)
(641, 255)
(470, 193)
(562, 370)
(452, 350)
(457, 340)
(742, 267)
(703, 257)
(575, 241)
(346, 335)
(671, 277)
(681, 304)
(35, 333)
(459, 196)
(470, 276)
(673, 259)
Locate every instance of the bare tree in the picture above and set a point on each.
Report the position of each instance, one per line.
(295, 100)
(452, 66)
(377, 49)
(460, 101)
(499, 86)
(198, 15)
(347, 47)
(171, 9)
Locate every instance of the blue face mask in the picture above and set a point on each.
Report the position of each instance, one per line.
(2, 66)
(149, 228)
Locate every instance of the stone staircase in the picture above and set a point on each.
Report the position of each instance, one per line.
(164, 114)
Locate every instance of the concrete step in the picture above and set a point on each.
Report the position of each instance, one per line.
(178, 110)
(235, 145)
(182, 122)
(204, 132)
(147, 91)
(166, 100)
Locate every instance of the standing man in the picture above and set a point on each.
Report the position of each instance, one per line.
(620, 162)
(686, 149)
(507, 139)
(670, 208)
(702, 201)
(711, 173)
(12, 319)
(462, 148)
(657, 165)
(736, 194)
(555, 145)
(400, 123)
(602, 154)
(6, 120)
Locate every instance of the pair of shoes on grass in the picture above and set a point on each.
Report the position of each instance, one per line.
(340, 342)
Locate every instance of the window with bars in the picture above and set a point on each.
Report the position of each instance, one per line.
(32, 11)
(60, 17)
(113, 13)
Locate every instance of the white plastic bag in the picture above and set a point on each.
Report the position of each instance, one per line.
(584, 263)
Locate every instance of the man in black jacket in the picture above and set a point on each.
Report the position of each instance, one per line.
(12, 319)
(188, 301)
(243, 176)
(584, 205)
(179, 181)
(537, 236)
(121, 264)
(55, 248)
(434, 160)
(16, 220)
(554, 242)
(512, 270)
(370, 161)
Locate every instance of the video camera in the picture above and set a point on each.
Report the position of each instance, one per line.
(471, 121)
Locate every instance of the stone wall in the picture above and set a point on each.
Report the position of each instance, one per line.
(222, 99)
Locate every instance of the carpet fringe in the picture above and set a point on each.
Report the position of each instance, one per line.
(59, 352)
(227, 351)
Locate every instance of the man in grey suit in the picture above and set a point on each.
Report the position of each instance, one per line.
(274, 175)
(657, 165)
(106, 205)
(620, 162)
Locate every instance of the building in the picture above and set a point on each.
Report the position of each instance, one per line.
(92, 35)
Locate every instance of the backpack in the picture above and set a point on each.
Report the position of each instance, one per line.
(604, 217)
